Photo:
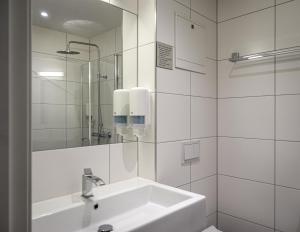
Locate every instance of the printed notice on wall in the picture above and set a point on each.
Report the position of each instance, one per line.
(164, 55)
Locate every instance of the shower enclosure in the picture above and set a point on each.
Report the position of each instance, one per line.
(98, 80)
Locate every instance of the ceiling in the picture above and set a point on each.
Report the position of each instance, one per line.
(85, 18)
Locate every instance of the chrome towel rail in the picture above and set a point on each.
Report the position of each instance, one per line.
(236, 57)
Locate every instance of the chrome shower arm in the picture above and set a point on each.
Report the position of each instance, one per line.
(90, 45)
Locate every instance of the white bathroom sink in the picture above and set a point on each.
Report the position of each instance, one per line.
(133, 205)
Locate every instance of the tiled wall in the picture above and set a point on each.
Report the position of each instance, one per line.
(56, 98)
(187, 107)
(258, 118)
(58, 172)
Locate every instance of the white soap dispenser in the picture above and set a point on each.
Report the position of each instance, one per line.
(121, 110)
(139, 101)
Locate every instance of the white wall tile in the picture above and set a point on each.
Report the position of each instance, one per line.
(146, 160)
(106, 42)
(211, 34)
(151, 130)
(74, 93)
(205, 85)
(287, 209)
(130, 5)
(166, 10)
(146, 62)
(48, 41)
(45, 116)
(106, 92)
(74, 137)
(173, 81)
(48, 63)
(207, 8)
(48, 91)
(248, 34)
(250, 200)
(74, 117)
(247, 117)
(247, 158)
(130, 68)
(208, 188)
(185, 2)
(170, 169)
(203, 117)
(74, 70)
(146, 25)
(212, 220)
(287, 18)
(185, 187)
(46, 139)
(108, 116)
(123, 161)
(282, 1)
(287, 164)
(288, 117)
(288, 75)
(228, 9)
(251, 78)
(173, 117)
(232, 224)
(129, 30)
(50, 167)
(207, 164)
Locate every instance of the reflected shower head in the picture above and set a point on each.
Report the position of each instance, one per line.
(68, 52)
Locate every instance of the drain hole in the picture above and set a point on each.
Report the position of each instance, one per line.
(96, 206)
(105, 228)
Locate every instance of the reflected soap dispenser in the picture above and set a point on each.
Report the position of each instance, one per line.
(121, 110)
(139, 101)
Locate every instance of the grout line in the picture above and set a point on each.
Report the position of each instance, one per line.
(184, 140)
(109, 166)
(217, 112)
(236, 137)
(267, 95)
(221, 212)
(277, 140)
(190, 77)
(252, 12)
(247, 179)
(238, 97)
(66, 95)
(275, 109)
(203, 178)
(196, 180)
(278, 4)
(185, 95)
(261, 182)
(155, 101)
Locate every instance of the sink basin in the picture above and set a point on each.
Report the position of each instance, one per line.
(133, 205)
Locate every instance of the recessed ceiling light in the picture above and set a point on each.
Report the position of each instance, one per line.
(44, 14)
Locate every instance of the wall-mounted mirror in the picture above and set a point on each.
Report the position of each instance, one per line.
(81, 52)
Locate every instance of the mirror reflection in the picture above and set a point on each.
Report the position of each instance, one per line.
(77, 63)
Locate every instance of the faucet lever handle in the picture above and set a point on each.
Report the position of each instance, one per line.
(88, 172)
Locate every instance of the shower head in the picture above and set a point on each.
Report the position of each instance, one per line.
(68, 52)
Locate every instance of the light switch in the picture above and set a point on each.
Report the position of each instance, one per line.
(196, 149)
(191, 151)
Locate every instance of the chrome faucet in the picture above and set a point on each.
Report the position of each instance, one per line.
(88, 180)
